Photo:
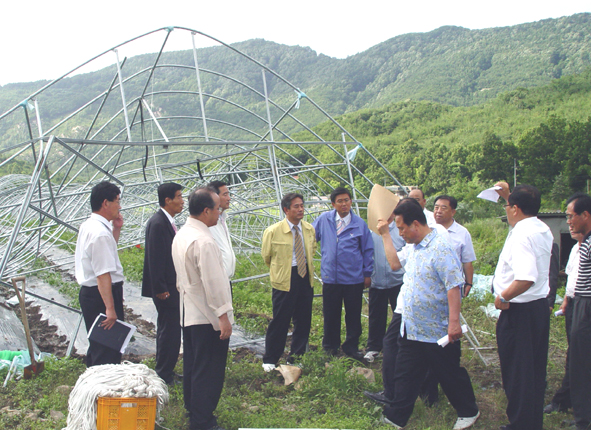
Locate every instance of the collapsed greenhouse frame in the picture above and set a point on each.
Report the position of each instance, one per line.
(124, 133)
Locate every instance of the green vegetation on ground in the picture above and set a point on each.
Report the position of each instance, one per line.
(327, 395)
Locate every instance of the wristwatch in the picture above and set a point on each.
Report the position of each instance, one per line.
(502, 299)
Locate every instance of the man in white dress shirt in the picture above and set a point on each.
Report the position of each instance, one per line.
(521, 285)
(98, 269)
(562, 399)
(220, 231)
(444, 211)
(418, 195)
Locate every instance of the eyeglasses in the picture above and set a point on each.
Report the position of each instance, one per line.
(342, 201)
(570, 216)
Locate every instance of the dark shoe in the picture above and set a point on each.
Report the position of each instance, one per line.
(554, 407)
(174, 383)
(331, 352)
(356, 356)
(379, 397)
(385, 420)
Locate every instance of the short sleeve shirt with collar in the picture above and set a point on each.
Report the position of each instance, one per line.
(572, 270)
(462, 242)
(525, 257)
(96, 252)
(431, 270)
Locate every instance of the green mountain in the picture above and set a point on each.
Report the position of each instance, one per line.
(451, 65)
(545, 132)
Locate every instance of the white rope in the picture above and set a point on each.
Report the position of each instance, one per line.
(111, 380)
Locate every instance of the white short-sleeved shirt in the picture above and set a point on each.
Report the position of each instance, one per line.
(96, 252)
(430, 218)
(572, 270)
(221, 234)
(525, 257)
(462, 242)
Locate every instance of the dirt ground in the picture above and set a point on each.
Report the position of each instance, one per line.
(48, 340)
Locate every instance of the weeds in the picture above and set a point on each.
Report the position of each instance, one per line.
(326, 396)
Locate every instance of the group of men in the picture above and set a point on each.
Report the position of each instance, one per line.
(420, 262)
(186, 273)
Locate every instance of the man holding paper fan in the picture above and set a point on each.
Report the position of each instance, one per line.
(431, 310)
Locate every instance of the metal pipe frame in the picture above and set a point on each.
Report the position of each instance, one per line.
(259, 139)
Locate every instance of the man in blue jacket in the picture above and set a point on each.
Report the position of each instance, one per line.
(346, 267)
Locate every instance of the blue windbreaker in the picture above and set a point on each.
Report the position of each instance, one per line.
(348, 258)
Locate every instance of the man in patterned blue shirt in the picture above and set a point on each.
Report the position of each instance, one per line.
(431, 310)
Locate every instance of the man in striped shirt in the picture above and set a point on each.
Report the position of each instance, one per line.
(578, 217)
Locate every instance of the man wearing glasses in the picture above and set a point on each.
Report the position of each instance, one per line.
(521, 285)
(346, 267)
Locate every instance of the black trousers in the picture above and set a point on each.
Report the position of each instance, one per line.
(294, 304)
(204, 369)
(168, 335)
(522, 340)
(91, 304)
(562, 395)
(390, 352)
(412, 362)
(378, 314)
(580, 361)
(333, 297)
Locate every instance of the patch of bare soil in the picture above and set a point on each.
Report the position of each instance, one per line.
(48, 340)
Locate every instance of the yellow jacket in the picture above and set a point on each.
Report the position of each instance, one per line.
(277, 251)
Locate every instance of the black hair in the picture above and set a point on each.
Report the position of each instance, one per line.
(100, 192)
(288, 198)
(200, 199)
(411, 211)
(527, 198)
(337, 192)
(216, 185)
(418, 189)
(582, 203)
(453, 203)
(169, 190)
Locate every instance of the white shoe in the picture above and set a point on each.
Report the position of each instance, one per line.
(385, 420)
(370, 356)
(464, 423)
(268, 367)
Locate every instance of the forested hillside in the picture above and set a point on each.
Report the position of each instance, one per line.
(450, 65)
(546, 131)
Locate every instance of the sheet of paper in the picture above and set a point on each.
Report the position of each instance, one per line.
(380, 206)
(490, 194)
(445, 339)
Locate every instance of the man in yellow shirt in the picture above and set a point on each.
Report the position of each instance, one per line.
(288, 249)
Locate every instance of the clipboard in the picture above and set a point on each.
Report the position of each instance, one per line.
(117, 337)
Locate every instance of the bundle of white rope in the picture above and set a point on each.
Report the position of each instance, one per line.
(111, 380)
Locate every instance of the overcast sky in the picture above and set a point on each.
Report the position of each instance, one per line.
(46, 39)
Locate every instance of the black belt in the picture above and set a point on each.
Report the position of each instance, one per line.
(114, 284)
